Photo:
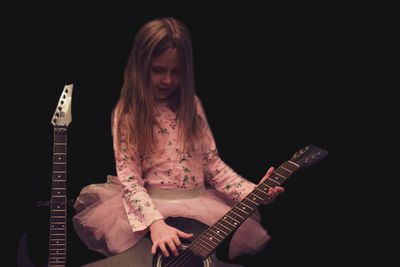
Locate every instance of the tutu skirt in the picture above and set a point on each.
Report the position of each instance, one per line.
(102, 224)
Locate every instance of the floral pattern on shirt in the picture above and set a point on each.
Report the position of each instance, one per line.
(170, 167)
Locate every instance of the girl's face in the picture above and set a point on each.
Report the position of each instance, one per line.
(166, 73)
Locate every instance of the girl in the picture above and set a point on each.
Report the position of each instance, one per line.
(165, 156)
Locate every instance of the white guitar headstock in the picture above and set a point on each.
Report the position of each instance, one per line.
(62, 116)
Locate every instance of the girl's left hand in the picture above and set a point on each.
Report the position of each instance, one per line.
(273, 192)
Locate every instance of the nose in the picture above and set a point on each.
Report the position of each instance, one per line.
(167, 79)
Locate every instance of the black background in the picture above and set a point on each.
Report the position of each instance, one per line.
(271, 80)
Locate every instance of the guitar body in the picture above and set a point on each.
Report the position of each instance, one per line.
(140, 255)
(23, 259)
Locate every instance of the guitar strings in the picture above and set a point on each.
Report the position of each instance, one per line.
(186, 257)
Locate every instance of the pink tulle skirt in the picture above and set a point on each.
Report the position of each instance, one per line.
(102, 224)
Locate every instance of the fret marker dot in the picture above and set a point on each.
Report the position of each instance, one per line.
(244, 208)
(59, 157)
(58, 192)
(235, 223)
(210, 238)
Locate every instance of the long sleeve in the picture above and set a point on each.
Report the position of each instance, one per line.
(216, 172)
(139, 207)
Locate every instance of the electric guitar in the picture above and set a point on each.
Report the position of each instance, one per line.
(58, 201)
(200, 252)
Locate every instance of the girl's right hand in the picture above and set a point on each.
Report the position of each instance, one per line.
(162, 234)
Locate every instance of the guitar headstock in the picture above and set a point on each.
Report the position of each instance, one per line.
(308, 156)
(62, 116)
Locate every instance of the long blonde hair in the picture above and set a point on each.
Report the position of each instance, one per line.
(133, 116)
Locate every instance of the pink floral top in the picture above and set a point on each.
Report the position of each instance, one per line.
(171, 168)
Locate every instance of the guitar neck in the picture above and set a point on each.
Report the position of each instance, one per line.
(210, 239)
(58, 203)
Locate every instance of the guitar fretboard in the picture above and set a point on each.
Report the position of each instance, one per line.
(58, 203)
(210, 239)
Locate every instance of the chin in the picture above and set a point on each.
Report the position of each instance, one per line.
(166, 95)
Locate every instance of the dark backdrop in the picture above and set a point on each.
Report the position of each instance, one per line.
(271, 81)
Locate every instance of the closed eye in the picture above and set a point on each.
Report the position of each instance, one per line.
(177, 71)
(157, 69)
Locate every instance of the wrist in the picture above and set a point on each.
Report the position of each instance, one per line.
(156, 223)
